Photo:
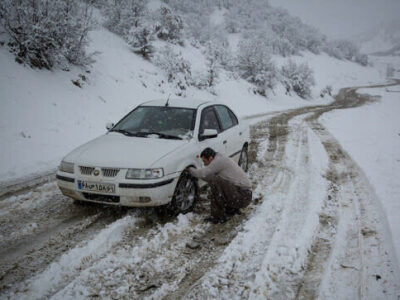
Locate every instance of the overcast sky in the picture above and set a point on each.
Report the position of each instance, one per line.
(342, 18)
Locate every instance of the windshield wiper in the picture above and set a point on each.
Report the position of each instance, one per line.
(161, 135)
(123, 131)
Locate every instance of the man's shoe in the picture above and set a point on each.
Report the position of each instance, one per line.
(233, 211)
(215, 220)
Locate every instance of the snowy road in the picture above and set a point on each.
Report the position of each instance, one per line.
(315, 229)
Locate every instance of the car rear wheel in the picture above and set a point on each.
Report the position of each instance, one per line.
(185, 195)
(244, 159)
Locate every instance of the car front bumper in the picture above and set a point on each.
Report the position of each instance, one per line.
(133, 193)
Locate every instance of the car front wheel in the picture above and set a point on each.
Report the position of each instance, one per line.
(185, 194)
(244, 159)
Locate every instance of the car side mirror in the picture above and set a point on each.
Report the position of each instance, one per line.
(209, 134)
(109, 126)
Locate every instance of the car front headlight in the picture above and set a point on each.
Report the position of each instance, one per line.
(144, 173)
(66, 167)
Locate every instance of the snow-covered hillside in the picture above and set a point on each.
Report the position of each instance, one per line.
(44, 115)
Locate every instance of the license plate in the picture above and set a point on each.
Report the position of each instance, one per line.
(107, 188)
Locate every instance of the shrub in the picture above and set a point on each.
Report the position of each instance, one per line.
(169, 26)
(255, 65)
(298, 78)
(326, 90)
(131, 20)
(140, 38)
(362, 59)
(45, 33)
(344, 49)
(175, 67)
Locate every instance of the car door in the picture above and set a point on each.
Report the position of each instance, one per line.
(230, 131)
(209, 120)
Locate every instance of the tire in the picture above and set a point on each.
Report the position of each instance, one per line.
(79, 202)
(244, 159)
(185, 195)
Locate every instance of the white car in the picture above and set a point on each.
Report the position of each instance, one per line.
(141, 160)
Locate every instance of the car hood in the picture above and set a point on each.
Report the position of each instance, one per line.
(119, 151)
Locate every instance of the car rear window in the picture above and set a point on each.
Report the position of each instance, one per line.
(225, 117)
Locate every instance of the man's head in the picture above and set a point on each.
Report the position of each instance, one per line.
(207, 155)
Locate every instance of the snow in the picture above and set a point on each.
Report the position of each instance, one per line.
(371, 135)
(275, 239)
(217, 17)
(43, 116)
(70, 264)
(52, 123)
(142, 254)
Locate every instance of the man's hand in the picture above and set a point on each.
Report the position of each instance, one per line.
(190, 170)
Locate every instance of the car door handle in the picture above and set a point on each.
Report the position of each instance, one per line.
(224, 142)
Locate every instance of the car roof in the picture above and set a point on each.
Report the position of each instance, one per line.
(186, 103)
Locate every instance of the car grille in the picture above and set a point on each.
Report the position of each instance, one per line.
(101, 198)
(86, 170)
(106, 172)
(109, 172)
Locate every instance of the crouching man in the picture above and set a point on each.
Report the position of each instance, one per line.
(230, 186)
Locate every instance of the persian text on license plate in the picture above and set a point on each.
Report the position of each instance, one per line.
(107, 188)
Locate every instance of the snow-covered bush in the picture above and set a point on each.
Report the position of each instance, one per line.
(46, 33)
(217, 57)
(169, 26)
(345, 49)
(140, 38)
(326, 91)
(131, 20)
(282, 46)
(122, 15)
(290, 35)
(139, 27)
(218, 49)
(362, 59)
(287, 35)
(298, 78)
(195, 16)
(255, 65)
(175, 67)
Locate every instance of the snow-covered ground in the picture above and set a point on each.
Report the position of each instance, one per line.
(316, 231)
(371, 135)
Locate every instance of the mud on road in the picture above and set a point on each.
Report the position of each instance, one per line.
(51, 247)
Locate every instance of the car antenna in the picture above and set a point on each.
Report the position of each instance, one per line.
(166, 104)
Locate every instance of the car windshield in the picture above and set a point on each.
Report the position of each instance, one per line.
(164, 122)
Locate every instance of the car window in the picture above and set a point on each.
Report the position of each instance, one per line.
(168, 120)
(233, 117)
(209, 120)
(130, 122)
(225, 117)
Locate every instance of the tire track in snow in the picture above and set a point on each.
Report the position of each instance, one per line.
(343, 260)
(169, 268)
(357, 256)
(214, 240)
(328, 221)
(281, 264)
(60, 272)
(138, 266)
(242, 259)
(39, 226)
